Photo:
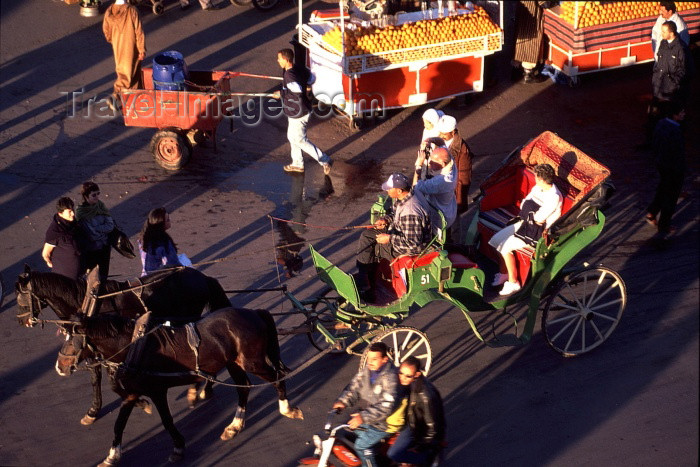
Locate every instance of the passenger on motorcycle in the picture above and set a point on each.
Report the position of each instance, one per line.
(420, 442)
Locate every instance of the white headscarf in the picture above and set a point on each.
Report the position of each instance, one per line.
(433, 116)
(119, 2)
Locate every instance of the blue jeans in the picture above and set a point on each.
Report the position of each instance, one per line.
(399, 451)
(296, 134)
(366, 441)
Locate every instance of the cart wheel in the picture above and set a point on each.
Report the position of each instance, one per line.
(323, 308)
(158, 8)
(403, 342)
(241, 2)
(584, 310)
(265, 5)
(170, 149)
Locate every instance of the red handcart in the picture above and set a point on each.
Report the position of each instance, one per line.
(179, 115)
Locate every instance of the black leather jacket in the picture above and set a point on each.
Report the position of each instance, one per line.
(426, 416)
(670, 70)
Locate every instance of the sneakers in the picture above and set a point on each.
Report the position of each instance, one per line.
(293, 168)
(509, 288)
(499, 279)
(326, 168)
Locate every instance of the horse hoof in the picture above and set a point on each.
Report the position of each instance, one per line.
(229, 433)
(115, 455)
(87, 420)
(145, 406)
(295, 413)
(205, 394)
(176, 455)
(191, 397)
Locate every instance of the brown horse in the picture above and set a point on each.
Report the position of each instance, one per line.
(179, 295)
(240, 340)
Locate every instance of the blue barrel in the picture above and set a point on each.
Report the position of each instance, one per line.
(169, 71)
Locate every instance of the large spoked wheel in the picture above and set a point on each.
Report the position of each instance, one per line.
(265, 5)
(584, 310)
(404, 342)
(241, 2)
(170, 149)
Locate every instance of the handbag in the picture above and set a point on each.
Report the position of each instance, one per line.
(529, 231)
(121, 243)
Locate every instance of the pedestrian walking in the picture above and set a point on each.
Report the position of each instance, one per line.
(122, 28)
(669, 156)
(97, 223)
(61, 250)
(297, 107)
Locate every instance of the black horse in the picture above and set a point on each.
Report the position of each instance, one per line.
(180, 295)
(240, 340)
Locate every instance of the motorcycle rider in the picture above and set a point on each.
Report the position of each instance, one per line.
(377, 386)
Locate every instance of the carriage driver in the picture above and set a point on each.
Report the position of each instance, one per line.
(374, 387)
(407, 232)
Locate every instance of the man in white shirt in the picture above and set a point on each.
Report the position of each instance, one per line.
(667, 12)
(548, 200)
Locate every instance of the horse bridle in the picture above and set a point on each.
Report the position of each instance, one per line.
(33, 299)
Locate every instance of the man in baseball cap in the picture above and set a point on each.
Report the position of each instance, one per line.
(404, 231)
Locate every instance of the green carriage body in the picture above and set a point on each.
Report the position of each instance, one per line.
(581, 179)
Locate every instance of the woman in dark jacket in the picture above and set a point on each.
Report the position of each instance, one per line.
(97, 223)
(61, 248)
(157, 248)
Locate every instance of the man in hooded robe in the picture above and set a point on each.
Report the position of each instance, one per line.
(122, 29)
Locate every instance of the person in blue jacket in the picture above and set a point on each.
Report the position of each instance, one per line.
(157, 247)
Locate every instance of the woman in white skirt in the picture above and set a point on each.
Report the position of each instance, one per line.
(544, 203)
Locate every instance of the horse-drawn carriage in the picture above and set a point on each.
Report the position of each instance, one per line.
(582, 305)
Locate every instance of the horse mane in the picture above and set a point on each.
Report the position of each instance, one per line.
(109, 326)
(58, 285)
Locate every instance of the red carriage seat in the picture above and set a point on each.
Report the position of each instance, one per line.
(400, 264)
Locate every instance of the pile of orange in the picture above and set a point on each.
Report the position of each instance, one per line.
(372, 40)
(594, 13)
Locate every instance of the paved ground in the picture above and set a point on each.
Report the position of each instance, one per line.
(634, 401)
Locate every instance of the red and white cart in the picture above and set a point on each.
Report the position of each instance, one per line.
(577, 47)
(362, 85)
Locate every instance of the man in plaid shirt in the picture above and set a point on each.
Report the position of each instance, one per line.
(407, 232)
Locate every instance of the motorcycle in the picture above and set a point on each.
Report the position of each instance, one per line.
(337, 450)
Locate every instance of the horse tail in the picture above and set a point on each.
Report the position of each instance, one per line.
(217, 296)
(273, 345)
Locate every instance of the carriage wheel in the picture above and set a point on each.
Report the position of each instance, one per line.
(265, 5)
(324, 309)
(170, 149)
(584, 310)
(241, 2)
(158, 8)
(403, 342)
